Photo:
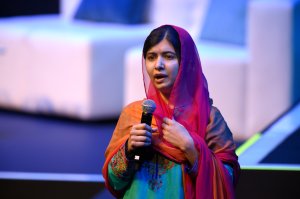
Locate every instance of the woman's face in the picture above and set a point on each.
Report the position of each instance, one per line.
(162, 66)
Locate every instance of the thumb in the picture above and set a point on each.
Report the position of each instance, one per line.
(154, 130)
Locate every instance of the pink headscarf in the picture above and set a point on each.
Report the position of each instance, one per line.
(190, 90)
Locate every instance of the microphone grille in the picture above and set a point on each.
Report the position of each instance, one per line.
(148, 106)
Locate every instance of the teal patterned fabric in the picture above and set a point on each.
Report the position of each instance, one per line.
(151, 180)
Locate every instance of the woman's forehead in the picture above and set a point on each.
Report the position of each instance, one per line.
(163, 46)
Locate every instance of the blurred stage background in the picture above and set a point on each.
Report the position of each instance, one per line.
(68, 67)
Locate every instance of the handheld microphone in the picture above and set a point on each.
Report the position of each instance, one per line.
(148, 107)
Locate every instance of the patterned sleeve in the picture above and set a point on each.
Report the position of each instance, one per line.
(120, 170)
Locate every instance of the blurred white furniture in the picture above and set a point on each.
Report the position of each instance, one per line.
(57, 65)
(251, 84)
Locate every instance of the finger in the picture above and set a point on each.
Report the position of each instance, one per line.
(140, 126)
(141, 133)
(154, 130)
(140, 144)
(140, 138)
(165, 132)
(148, 134)
(140, 141)
(167, 121)
(165, 126)
(148, 128)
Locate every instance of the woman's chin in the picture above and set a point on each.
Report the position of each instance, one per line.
(164, 89)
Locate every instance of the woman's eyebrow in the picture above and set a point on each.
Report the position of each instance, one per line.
(166, 52)
(150, 52)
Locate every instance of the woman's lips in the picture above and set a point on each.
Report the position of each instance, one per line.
(159, 76)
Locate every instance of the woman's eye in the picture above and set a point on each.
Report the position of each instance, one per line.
(170, 56)
(150, 57)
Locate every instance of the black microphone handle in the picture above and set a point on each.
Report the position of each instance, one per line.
(145, 152)
(146, 118)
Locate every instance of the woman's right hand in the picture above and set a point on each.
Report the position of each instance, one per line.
(140, 136)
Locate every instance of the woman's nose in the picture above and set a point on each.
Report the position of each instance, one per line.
(159, 64)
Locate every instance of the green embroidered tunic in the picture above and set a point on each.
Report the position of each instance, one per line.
(151, 179)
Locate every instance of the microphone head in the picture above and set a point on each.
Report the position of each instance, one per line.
(148, 106)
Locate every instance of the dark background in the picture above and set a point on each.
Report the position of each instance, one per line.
(10, 8)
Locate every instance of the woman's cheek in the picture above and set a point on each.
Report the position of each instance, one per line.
(149, 70)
